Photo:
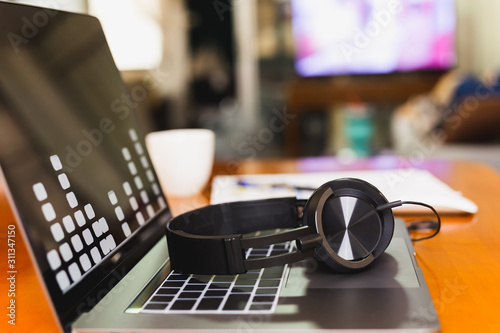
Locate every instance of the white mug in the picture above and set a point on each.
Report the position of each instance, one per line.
(183, 159)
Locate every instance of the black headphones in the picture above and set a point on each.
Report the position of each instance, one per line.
(346, 223)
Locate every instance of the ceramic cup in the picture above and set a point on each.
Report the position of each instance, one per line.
(183, 159)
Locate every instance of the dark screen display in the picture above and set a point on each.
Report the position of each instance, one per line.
(72, 156)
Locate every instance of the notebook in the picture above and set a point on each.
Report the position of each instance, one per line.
(90, 207)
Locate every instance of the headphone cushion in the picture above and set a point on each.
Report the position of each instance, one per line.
(344, 211)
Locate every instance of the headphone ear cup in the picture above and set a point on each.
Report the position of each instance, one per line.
(354, 233)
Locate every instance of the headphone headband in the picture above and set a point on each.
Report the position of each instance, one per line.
(210, 240)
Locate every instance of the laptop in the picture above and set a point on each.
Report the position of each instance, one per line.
(88, 201)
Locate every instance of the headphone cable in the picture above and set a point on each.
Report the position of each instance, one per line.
(417, 225)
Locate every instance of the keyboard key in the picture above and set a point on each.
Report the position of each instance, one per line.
(56, 162)
(162, 202)
(133, 203)
(107, 244)
(266, 291)
(80, 219)
(245, 282)
(183, 304)
(219, 285)
(40, 192)
(112, 197)
(150, 210)
(144, 163)
(144, 197)
(211, 293)
(100, 227)
(74, 272)
(138, 148)
(258, 253)
(167, 291)
(127, 188)
(150, 176)
(62, 280)
(119, 213)
(224, 278)
(178, 277)
(77, 243)
(57, 232)
(53, 259)
(254, 256)
(273, 272)
(210, 303)
(200, 278)
(162, 299)
(195, 287)
(156, 306)
(261, 307)
(89, 211)
(71, 198)
(189, 294)
(126, 229)
(156, 188)
(96, 256)
(264, 298)
(126, 154)
(133, 134)
(140, 218)
(87, 236)
(236, 302)
(48, 212)
(132, 168)
(278, 251)
(69, 225)
(242, 289)
(170, 284)
(138, 182)
(251, 274)
(66, 252)
(269, 283)
(64, 181)
(85, 262)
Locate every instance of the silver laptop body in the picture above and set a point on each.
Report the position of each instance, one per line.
(391, 295)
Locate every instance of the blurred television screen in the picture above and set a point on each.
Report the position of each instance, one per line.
(341, 37)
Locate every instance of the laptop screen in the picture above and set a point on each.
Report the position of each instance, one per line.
(72, 155)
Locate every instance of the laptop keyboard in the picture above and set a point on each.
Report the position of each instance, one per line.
(254, 291)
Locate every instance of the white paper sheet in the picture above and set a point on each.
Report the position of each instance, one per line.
(397, 184)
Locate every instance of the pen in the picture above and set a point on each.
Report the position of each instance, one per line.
(245, 183)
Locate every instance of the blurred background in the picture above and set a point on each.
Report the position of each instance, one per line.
(294, 78)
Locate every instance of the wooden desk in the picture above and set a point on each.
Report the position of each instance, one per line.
(461, 265)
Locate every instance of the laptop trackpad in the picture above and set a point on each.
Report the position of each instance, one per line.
(393, 269)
